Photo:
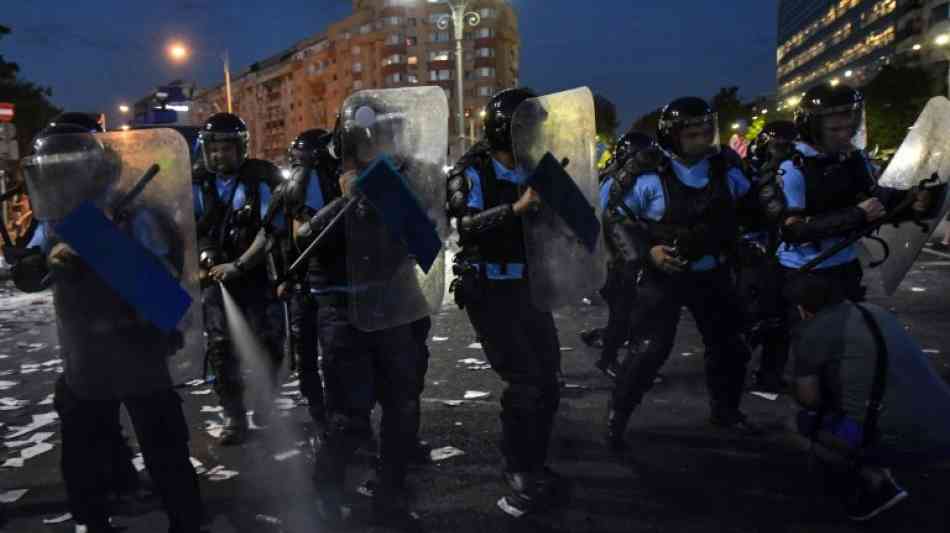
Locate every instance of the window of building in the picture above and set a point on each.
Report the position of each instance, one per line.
(486, 72)
(356, 50)
(439, 55)
(394, 59)
(484, 33)
(488, 12)
(393, 79)
(412, 41)
(485, 91)
(347, 35)
(485, 52)
(366, 28)
(412, 60)
(440, 75)
(392, 21)
(412, 78)
(434, 18)
(357, 85)
(440, 37)
(357, 67)
(411, 22)
(393, 39)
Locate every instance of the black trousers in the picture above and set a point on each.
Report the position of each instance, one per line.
(620, 294)
(88, 432)
(303, 345)
(360, 369)
(712, 300)
(265, 317)
(522, 346)
(760, 289)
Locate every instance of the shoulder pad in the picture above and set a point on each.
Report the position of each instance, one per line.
(474, 157)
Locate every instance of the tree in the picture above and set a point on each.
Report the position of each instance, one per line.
(730, 108)
(605, 114)
(894, 100)
(33, 108)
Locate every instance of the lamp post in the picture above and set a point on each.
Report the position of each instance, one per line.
(178, 52)
(459, 18)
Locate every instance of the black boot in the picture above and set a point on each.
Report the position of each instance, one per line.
(616, 427)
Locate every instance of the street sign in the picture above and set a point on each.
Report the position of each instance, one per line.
(6, 112)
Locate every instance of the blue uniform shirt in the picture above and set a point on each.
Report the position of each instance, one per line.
(646, 198)
(225, 186)
(797, 255)
(314, 198)
(476, 200)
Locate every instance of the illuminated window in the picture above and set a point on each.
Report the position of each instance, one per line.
(438, 55)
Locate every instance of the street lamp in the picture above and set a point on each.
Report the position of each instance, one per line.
(459, 18)
(178, 52)
(916, 47)
(942, 39)
(123, 109)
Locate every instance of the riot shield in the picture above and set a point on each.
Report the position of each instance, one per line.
(123, 202)
(924, 153)
(564, 248)
(396, 140)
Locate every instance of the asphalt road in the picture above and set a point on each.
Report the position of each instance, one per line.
(680, 476)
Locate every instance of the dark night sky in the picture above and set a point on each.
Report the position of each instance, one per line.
(639, 53)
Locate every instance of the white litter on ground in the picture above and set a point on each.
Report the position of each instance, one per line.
(58, 519)
(441, 454)
(476, 395)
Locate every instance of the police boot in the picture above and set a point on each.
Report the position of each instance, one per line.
(529, 492)
(391, 505)
(236, 428)
(616, 427)
(235, 431)
(420, 454)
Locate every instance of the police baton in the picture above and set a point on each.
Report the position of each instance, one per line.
(892, 217)
(309, 250)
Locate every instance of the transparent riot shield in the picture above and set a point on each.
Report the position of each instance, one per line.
(564, 263)
(396, 141)
(123, 202)
(924, 153)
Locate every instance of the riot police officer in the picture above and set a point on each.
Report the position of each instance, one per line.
(635, 155)
(689, 211)
(314, 175)
(229, 205)
(361, 367)
(487, 197)
(758, 276)
(831, 190)
(113, 353)
(30, 274)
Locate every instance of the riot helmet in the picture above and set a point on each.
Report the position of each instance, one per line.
(219, 134)
(775, 141)
(309, 147)
(832, 119)
(688, 129)
(498, 114)
(82, 120)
